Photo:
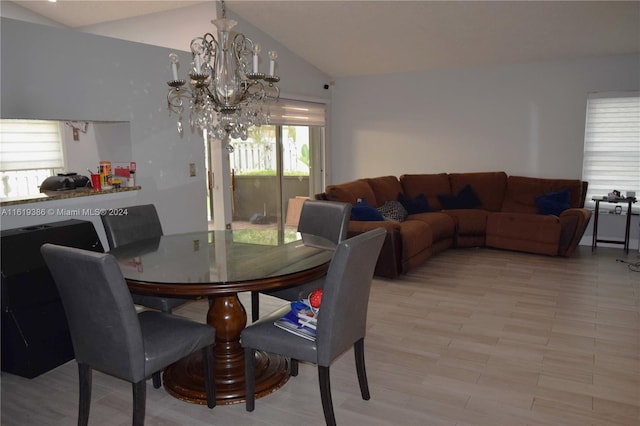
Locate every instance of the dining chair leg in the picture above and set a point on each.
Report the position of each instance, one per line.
(294, 367)
(209, 376)
(249, 379)
(139, 400)
(157, 380)
(84, 375)
(325, 395)
(255, 306)
(358, 350)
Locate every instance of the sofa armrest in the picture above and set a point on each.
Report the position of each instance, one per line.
(389, 264)
(573, 223)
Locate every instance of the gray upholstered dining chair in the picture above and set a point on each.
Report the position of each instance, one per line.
(341, 322)
(134, 223)
(109, 336)
(326, 219)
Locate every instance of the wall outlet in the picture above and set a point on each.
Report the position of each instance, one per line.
(192, 169)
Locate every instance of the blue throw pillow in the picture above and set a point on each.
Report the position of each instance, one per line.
(364, 212)
(553, 202)
(466, 199)
(420, 204)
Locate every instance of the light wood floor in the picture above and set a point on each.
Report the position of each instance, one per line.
(473, 337)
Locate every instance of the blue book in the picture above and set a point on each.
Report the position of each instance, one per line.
(292, 322)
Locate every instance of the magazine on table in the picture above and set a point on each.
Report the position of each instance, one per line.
(300, 320)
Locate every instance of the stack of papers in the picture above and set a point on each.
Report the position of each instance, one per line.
(300, 320)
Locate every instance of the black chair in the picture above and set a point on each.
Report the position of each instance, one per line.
(326, 219)
(109, 336)
(341, 321)
(131, 224)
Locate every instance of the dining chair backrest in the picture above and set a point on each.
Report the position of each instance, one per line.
(327, 219)
(105, 329)
(342, 318)
(130, 224)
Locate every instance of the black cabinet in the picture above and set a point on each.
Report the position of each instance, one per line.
(35, 335)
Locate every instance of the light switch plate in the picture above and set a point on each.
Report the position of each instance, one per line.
(192, 169)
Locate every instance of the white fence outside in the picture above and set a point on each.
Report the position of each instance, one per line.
(22, 183)
(250, 156)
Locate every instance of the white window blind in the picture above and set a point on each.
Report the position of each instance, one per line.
(297, 113)
(612, 144)
(30, 145)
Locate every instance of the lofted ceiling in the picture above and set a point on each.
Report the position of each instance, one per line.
(80, 13)
(348, 38)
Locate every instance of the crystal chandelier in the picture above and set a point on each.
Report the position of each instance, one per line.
(226, 92)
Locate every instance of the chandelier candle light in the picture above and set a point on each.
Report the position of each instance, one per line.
(226, 93)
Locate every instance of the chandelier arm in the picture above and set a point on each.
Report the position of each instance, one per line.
(208, 38)
(242, 51)
(174, 100)
(276, 98)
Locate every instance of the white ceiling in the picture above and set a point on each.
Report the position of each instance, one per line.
(346, 38)
(80, 13)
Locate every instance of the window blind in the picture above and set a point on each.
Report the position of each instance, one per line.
(297, 113)
(30, 145)
(612, 144)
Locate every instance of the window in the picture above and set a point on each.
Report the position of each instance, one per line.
(612, 144)
(278, 163)
(30, 151)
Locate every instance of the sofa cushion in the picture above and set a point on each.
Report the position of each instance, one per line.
(364, 212)
(488, 186)
(419, 204)
(431, 185)
(553, 202)
(469, 221)
(393, 210)
(521, 193)
(350, 192)
(465, 199)
(384, 188)
(441, 224)
(530, 233)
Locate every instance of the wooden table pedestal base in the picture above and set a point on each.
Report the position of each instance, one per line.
(185, 379)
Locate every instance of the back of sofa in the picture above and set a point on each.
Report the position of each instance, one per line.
(521, 192)
(430, 185)
(496, 190)
(374, 190)
(350, 192)
(488, 186)
(385, 188)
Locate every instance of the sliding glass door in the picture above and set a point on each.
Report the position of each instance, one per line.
(273, 172)
(276, 168)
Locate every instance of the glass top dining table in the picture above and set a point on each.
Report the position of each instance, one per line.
(218, 265)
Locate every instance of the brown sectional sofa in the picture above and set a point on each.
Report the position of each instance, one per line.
(505, 215)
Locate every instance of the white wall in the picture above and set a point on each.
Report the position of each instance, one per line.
(101, 142)
(524, 119)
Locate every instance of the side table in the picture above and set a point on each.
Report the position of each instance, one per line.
(595, 241)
